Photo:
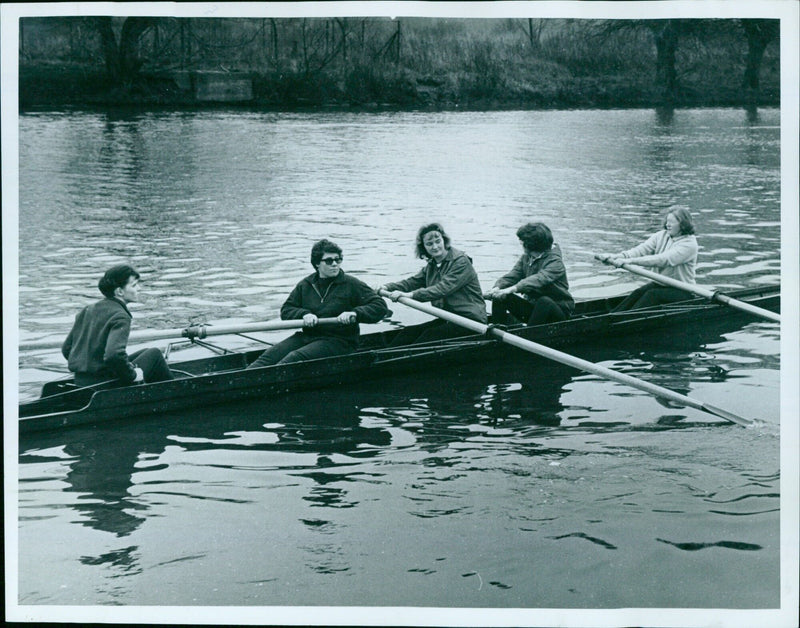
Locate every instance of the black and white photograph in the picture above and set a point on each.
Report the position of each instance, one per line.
(401, 313)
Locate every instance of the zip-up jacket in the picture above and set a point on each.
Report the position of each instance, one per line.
(98, 340)
(545, 275)
(451, 285)
(672, 257)
(343, 293)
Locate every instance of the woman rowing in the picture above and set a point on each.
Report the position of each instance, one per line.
(536, 290)
(448, 280)
(327, 292)
(673, 253)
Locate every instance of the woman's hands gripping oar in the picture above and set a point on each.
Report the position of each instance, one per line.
(688, 287)
(570, 360)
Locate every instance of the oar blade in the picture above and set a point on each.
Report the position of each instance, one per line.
(727, 415)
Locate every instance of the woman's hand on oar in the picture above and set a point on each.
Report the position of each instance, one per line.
(575, 362)
(712, 295)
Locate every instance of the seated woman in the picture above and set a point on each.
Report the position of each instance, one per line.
(536, 290)
(448, 281)
(672, 252)
(96, 347)
(328, 292)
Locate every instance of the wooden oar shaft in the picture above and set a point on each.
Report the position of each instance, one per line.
(694, 288)
(570, 360)
(196, 331)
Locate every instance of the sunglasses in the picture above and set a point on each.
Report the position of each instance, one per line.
(331, 260)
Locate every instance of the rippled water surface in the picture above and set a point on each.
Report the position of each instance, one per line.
(502, 485)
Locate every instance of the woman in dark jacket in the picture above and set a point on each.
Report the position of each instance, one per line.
(326, 293)
(536, 290)
(448, 281)
(96, 347)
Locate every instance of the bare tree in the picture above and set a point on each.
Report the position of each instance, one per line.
(759, 34)
(122, 56)
(667, 34)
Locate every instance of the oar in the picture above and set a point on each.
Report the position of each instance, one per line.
(196, 331)
(570, 360)
(688, 287)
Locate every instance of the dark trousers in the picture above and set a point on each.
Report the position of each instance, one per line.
(542, 310)
(651, 294)
(151, 361)
(432, 330)
(300, 346)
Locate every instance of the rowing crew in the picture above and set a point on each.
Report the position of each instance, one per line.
(535, 291)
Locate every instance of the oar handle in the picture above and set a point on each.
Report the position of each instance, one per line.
(203, 331)
(711, 295)
(667, 281)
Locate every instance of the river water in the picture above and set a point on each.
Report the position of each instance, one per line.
(516, 487)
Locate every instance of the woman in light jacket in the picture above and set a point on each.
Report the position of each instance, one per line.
(448, 281)
(671, 252)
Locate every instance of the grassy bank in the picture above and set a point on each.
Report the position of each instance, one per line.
(413, 63)
(534, 86)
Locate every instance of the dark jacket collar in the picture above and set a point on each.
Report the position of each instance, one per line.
(554, 250)
(120, 304)
(314, 278)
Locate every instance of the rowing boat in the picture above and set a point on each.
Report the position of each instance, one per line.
(224, 379)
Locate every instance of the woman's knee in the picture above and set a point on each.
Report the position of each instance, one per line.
(546, 311)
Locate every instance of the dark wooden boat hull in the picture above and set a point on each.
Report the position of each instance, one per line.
(221, 379)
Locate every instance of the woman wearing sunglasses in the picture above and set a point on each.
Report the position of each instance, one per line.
(448, 281)
(327, 293)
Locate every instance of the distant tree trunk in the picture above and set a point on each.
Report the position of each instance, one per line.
(122, 59)
(306, 68)
(666, 36)
(186, 43)
(132, 30)
(759, 34)
(274, 26)
(398, 43)
(535, 33)
(342, 22)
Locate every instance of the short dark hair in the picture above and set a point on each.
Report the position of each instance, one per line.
(423, 231)
(535, 236)
(684, 219)
(320, 248)
(116, 277)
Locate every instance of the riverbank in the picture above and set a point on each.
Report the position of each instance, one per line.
(540, 86)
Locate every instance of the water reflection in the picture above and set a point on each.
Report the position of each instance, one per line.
(665, 116)
(752, 114)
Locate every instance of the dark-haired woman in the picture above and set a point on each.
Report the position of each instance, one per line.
(95, 348)
(672, 252)
(536, 290)
(448, 281)
(327, 293)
